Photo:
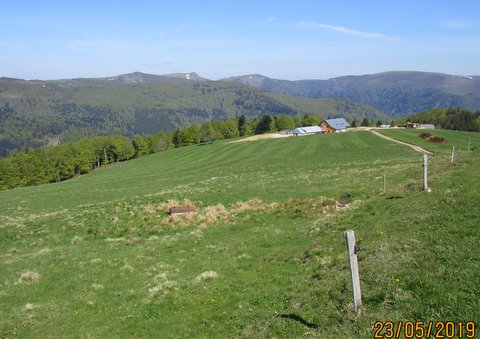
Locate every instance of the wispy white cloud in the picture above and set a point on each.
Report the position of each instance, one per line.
(344, 30)
(457, 24)
(203, 42)
(95, 44)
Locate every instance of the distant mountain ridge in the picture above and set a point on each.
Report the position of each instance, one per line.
(134, 78)
(397, 92)
(400, 93)
(138, 77)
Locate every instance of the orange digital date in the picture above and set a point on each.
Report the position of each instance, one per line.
(421, 329)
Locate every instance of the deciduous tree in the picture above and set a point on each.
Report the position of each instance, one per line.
(283, 122)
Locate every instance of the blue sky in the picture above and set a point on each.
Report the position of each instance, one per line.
(280, 39)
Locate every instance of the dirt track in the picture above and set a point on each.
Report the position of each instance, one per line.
(416, 148)
(264, 136)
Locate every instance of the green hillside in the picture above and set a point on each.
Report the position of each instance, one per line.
(449, 118)
(263, 256)
(39, 113)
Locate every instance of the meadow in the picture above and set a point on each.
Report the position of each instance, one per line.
(263, 256)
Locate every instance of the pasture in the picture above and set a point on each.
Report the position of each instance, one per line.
(263, 256)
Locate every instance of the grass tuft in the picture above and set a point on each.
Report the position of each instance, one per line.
(76, 240)
(98, 287)
(29, 307)
(213, 213)
(29, 278)
(206, 276)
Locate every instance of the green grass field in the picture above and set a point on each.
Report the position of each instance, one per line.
(454, 138)
(263, 256)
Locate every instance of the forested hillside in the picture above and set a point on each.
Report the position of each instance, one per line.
(398, 93)
(38, 113)
(449, 118)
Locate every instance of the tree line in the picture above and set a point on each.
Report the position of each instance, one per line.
(64, 161)
(58, 163)
(450, 118)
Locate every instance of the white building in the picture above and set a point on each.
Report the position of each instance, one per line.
(307, 130)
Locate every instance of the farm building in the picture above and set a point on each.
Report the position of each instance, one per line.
(307, 130)
(426, 126)
(410, 124)
(334, 125)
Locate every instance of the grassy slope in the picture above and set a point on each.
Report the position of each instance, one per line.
(454, 138)
(418, 250)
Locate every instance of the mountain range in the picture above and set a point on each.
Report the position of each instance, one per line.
(36, 113)
(397, 93)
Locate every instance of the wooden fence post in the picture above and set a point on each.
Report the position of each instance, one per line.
(453, 154)
(384, 183)
(468, 146)
(425, 172)
(352, 257)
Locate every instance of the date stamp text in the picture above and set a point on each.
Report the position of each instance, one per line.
(421, 329)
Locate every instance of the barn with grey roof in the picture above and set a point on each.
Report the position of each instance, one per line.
(334, 125)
